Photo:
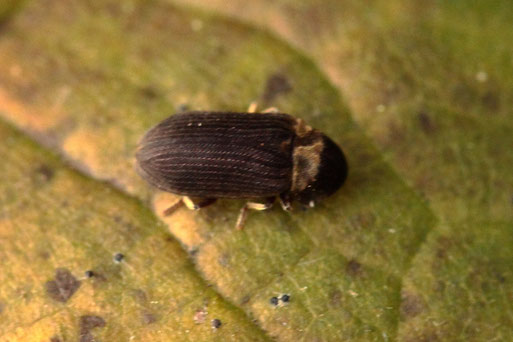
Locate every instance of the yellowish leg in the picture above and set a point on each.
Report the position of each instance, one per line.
(251, 206)
(190, 204)
(271, 110)
(196, 204)
(253, 106)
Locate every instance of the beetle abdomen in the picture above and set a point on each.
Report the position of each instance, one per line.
(219, 154)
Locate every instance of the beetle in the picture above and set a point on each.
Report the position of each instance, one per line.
(204, 155)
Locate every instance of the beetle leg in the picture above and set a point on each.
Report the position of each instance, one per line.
(191, 204)
(285, 202)
(197, 203)
(252, 206)
(271, 110)
(252, 107)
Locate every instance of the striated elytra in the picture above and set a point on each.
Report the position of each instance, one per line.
(208, 155)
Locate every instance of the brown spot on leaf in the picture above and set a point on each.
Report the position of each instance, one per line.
(55, 339)
(354, 268)
(443, 245)
(86, 324)
(245, 299)
(411, 305)
(126, 225)
(44, 172)
(500, 277)
(44, 255)
(335, 298)
(491, 101)
(149, 92)
(441, 253)
(148, 317)
(426, 123)
(63, 286)
(276, 85)
(140, 296)
(395, 133)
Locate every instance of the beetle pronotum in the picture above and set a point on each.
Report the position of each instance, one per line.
(204, 156)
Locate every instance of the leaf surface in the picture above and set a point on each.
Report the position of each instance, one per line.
(430, 83)
(86, 80)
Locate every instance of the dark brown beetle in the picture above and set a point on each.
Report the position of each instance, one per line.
(208, 155)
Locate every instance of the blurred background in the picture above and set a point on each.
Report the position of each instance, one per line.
(415, 247)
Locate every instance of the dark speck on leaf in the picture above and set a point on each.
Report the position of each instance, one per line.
(216, 323)
(44, 173)
(354, 268)
(500, 277)
(335, 298)
(245, 299)
(149, 92)
(118, 257)
(274, 301)
(89, 274)
(411, 305)
(193, 252)
(140, 296)
(148, 318)
(285, 298)
(63, 286)
(426, 123)
(491, 101)
(276, 85)
(87, 323)
(44, 255)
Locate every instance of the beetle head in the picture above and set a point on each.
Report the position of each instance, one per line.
(319, 166)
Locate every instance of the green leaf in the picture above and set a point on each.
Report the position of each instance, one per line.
(374, 262)
(431, 84)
